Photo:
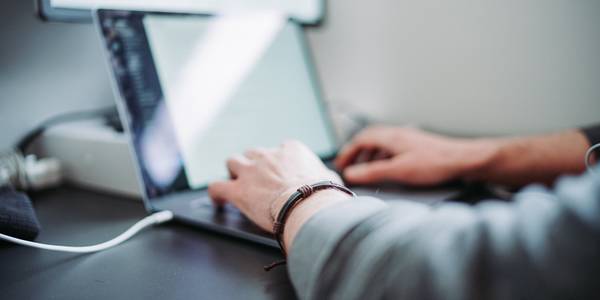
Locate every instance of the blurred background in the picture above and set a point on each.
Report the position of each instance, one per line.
(460, 67)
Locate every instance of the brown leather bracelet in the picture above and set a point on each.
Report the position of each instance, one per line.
(301, 193)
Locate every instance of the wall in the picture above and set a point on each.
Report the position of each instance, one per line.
(45, 69)
(464, 66)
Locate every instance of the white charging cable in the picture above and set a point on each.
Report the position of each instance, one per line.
(588, 156)
(154, 219)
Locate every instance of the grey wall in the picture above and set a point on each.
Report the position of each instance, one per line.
(463, 66)
(45, 69)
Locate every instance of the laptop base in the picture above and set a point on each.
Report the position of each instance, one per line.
(199, 211)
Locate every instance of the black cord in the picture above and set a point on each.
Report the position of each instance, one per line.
(24, 142)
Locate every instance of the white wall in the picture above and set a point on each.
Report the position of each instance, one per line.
(464, 66)
(45, 69)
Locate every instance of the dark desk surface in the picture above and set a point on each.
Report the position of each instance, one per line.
(168, 261)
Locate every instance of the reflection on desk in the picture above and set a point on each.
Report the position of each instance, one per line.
(169, 261)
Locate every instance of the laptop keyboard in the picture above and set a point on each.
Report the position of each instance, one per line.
(206, 203)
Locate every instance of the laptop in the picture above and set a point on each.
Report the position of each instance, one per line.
(194, 89)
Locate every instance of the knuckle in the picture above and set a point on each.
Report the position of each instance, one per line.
(377, 128)
(368, 132)
(234, 161)
(212, 189)
(257, 152)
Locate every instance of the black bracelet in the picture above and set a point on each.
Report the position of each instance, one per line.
(301, 193)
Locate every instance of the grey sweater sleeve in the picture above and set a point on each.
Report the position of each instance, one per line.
(544, 245)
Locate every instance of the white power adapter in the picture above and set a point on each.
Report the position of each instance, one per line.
(92, 155)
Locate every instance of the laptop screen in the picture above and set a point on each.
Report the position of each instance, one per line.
(197, 89)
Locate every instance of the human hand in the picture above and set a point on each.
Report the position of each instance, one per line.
(409, 155)
(263, 179)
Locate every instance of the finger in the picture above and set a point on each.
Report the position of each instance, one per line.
(381, 155)
(236, 164)
(222, 191)
(348, 154)
(370, 138)
(365, 155)
(345, 155)
(256, 153)
(370, 172)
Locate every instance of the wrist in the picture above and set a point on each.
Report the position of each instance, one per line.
(320, 199)
(323, 197)
(279, 202)
(479, 158)
(310, 206)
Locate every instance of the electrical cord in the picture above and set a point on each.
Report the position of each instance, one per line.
(15, 168)
(154, 219)
(106, 112)
(27, 171)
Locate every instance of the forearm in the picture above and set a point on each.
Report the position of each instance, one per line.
(362, 249)
(519, 161)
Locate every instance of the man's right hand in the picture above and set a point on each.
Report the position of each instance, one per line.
(410, 156)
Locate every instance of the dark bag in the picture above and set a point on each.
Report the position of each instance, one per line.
(17, 217)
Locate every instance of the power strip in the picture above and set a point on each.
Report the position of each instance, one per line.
(92, 155)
